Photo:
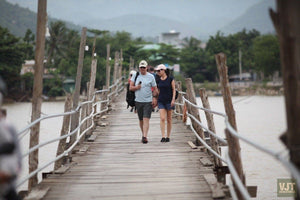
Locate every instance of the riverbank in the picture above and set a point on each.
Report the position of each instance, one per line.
(243, 89)
(212, 89)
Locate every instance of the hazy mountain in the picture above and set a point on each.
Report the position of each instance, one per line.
(199, 18)
(257, 17)
(18, 19)
(141, 25)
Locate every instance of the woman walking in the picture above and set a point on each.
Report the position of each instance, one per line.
(166, 100)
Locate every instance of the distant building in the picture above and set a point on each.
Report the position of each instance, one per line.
(28, 67)
(171, 38)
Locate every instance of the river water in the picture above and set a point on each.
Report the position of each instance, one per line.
(260, 118)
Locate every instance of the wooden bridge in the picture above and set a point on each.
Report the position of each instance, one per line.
(116, 165)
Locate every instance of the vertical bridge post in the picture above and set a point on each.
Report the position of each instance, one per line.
(33, 160)
(234, 148)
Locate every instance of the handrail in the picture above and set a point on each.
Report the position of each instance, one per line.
(288, 165)
(119, 87)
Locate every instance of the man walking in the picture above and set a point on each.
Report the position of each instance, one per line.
(144, 100)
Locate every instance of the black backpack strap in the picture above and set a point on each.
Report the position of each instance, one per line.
(137, 74)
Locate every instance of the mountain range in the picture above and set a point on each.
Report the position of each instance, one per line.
(149, 18)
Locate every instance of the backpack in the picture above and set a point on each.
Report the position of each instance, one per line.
(130, 95)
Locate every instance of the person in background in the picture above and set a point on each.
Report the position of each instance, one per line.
(10, 155)
(132, 73)
(144, 100)
(166, 100)
(151, 71)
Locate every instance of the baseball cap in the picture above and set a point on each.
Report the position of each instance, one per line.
(143, 63)
(161, 66)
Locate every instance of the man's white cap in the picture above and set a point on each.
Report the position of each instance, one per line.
(143, 63)
(161, 66)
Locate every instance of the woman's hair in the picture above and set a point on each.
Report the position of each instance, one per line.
(167, 72)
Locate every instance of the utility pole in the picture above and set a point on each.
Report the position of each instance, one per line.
(33, 160)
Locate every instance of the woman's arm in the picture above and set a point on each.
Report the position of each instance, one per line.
(173, 92)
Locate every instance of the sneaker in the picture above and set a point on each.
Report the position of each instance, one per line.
(167, 139)
(144, 140)
(163, 139)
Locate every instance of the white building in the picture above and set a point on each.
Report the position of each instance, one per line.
(171, 38)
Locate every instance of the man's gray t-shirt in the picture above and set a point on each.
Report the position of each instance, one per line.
(145, 93)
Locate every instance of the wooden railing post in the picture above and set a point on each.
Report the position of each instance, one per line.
(116, 65)
(192, 110)
(75, 117)
(91, 91)
(234, 148)
(179, 108)
(33, 160)
(120, 64)
(286, 23)
(64, 130)
(107, 65)
(211, 125)
(83, 114)
(104, 97)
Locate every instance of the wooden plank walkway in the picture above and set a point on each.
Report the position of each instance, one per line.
(118, 166)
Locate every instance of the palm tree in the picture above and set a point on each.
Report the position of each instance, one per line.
(57, 42)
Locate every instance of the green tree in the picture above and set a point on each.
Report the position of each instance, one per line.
(57, 42)
(168, 54)
(29, 44)
(11, 59)
(230, 45)
(192, 59)
(266, 54)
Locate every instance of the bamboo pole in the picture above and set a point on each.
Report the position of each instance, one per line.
(107, 65)
(286, 23)
(75, 117)
(211, 125)
(234, 148)
(64, 130)
(192, 110)
(33, 160)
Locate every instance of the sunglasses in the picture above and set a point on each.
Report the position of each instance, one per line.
(143, 67)
(159, 70)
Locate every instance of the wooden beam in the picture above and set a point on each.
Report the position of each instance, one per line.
(286, 23)
(33, 160)
(234, 148)
(75, 117)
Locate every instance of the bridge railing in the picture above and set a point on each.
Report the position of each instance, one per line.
(184, 102)
(97, 109)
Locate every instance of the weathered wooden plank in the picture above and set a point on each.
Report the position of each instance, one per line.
(37, 193)
(215, 186)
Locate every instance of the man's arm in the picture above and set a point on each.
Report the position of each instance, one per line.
(132, 87)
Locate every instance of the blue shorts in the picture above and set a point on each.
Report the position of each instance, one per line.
(165, 106)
